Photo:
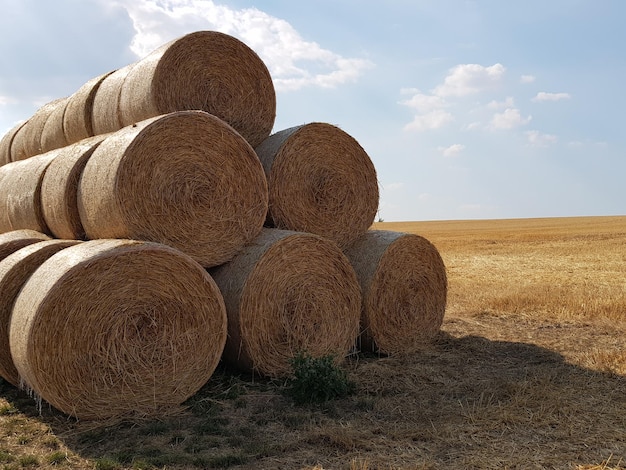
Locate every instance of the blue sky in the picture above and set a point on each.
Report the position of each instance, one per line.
(469, 109)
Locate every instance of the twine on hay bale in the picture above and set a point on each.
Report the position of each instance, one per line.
(59, 188)
(320, 181)
(205, 70)
(77, 120)
(404, 285)
(20, 193)
(186, 179)
(285, 293)
(15, 270)
(27, 141)
(12, 241)
(105, 108)
(6, 142)
(52, 135)
(142, 329)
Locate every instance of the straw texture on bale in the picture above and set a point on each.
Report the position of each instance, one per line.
(117, 328)
(404, 286)
(27, 141)
(288, 292)
(12, 241)
(20, 193)
(185, 179)
(208, 71)
(52, 134)
(6, 143)
(77, 120)
(320, 181)
(105, 108)
(15, 270)
(59, 188)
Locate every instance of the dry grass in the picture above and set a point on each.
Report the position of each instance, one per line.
(529, 372)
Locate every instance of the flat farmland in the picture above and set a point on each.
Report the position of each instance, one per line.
(529, 371)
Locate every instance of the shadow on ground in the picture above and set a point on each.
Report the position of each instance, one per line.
(462, 402)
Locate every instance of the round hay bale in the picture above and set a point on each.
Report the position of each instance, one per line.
(52, 135)
(6, 142)
(288, 292)
(185, 179)
(59, 188)
(404, 285)
(15, 270)
(320, 181)
(20, 193)
(27, 140)
(105, 109)
(12, 241)
(117, 328)
(204, 70)
(77, 121)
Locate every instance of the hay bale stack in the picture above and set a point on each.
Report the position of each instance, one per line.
(185, 179)
(15, 270)
(288, 292)
(20, 189)
(320, 181)
(105, 108)
(204, 70)
(27, 140)
(52, 134)
(12, 241)
(142, 329)
(77, 120)
(59, 188)
(404, 285)
(6, 142)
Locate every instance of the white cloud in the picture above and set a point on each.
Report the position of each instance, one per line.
(467, 79)
(430, 112)
(527, 78)
(424, 103)
(507, 103)
(509, 119)
(432, 120)
(543, 96)
(292, 61)
(538, 139)
(451, 151)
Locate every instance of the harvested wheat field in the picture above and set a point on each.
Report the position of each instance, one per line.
(529, 371)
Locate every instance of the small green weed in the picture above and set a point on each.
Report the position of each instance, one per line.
(317, 379)
(57, 458)
(29, 461)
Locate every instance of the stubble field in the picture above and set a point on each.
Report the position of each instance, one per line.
(529, 372)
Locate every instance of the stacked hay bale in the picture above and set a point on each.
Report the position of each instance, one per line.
(142, 329)
(166, 169)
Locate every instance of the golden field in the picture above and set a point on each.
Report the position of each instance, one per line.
(529, 372)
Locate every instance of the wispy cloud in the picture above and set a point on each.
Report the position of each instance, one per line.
(430, 111)
(468, 79)
(451, 151)
(507, 103)
(538, 139)
(462, 80)
(527, 79)
(293, 62)
(433, 120)
(543, 96)
(510, 118)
